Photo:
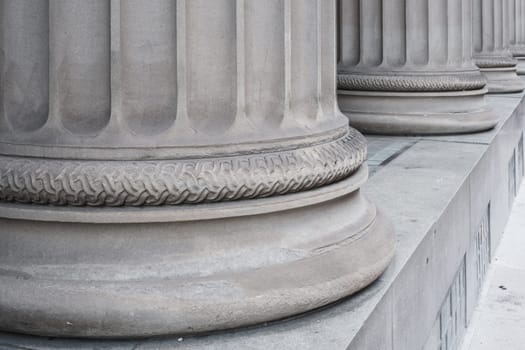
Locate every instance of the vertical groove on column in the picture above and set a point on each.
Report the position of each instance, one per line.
(467, 39)
(521, 23)
(454, 13)
(417, 31)
(505, 18)
(265, 54)
(517, 24)
(489, 35)
(350, 45)
(212, 65)
(182, 69)
(512, 13)
(116, 63)
(509, 19)
(148, 64)
(477, 26)
(394, 34)
(371, 32)
(487, 32)
(327, 64)
(438, 31)
(320, 62)
(287, 59)
(24, 63)
(241, 63)
(507, 13)
(338, 36)
(304, 65)
(79, 37)
(498, 25)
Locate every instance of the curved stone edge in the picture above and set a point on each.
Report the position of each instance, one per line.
(495, 62)
(518, 51)
(520, 68)
(173, 182)
(503, 80)
(423, 125)
(67, 309)
(405, 83)
(404, 115)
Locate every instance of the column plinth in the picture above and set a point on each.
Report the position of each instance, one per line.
(491, 38)
(176, 167)
(406, 68)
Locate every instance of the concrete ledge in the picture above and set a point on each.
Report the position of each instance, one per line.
(449, 198)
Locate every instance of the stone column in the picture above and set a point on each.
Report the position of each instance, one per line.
(517, 33)
(405, 67)
(173, 167)
(491, 31)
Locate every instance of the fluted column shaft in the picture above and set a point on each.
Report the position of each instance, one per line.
(517, 33)
(86, 100)
(163, 164)
(163, 95)
(412, 38)
(412, 47)
(493, 22)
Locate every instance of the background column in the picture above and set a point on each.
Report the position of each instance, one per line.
(491, 38)
(517, 33)
(405, 67)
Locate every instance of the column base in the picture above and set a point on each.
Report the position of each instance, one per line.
(520, 68)
(125, 272)
(417, 113)
(503, 80)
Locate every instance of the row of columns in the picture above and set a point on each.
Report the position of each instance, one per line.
(175, 167)
(491, 35)
(423, 67)
(517, 33)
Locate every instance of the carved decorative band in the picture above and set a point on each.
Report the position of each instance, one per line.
(430, 83)
(172, 182)
(495, 62)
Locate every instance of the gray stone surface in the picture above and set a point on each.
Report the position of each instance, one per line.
(441, 191)
(382, 150)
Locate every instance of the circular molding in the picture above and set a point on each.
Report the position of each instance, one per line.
(406, 83)
(425, 113)
(495, 62)
(184, 213)
(174, 182)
